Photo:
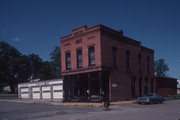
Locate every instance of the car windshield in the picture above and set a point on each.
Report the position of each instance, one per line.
(149, 95)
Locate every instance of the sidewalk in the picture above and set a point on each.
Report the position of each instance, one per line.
(80, 104)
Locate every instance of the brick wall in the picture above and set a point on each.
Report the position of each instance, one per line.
(83, 40)
(103, 39)
(166, 86)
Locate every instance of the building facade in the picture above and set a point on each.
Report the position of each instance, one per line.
(49, 89)
(166, 86)
(100, 63)
(178, 87)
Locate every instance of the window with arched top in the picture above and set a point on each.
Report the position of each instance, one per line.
(114, 56)
(139, 63)
(127, 60)
(148, 63)
(91, 53)
(68, 61)
(79, 58)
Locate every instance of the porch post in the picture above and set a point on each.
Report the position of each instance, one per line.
(100, 85)
(89, 88)
(78, 87)
(69, 89)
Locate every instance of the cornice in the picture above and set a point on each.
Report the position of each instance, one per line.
(71, 36)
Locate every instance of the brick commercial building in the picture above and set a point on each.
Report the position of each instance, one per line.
(100, 63)
(166, 86)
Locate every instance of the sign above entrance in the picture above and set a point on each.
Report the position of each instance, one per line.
(114, 85)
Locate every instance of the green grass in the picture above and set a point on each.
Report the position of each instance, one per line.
(8, 96)
(174, 97)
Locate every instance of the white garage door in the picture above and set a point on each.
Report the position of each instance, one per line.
(57, 92)
(35, 92)
(25, 93)
(46, 92)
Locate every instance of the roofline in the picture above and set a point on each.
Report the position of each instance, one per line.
(166, 77)
(60, 79)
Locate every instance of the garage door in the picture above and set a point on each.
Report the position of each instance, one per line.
(46, 92)
(57, 92)
(35, 92)
(25, 93)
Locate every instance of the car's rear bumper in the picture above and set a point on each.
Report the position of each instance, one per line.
(143, 101)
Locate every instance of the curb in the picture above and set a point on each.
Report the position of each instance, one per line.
(97, 104)
(83, 105)
(123, 103)
(69, 104)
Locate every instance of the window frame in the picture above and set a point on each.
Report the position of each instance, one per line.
(127, 60)
(68, 61)
(148, 64)
(114, 56)
(79, 61)
(91, 58)
(139, 63)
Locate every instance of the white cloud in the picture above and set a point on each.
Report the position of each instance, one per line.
(3, 30)
(17, 39)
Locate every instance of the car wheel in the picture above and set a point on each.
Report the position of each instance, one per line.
(151, 102)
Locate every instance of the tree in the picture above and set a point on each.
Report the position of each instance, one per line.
(46, 72)
(160, 68)
(9, 57)
(24, 70)
(35, 64)
(16, 68)
(55, 62)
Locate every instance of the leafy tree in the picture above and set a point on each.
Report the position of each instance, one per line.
(9, 57)
(35, 64)
(161, 68)
(46, 71)
(55, 62)
(16, 68)
(24, 70)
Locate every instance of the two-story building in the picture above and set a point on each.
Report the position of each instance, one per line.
(100, 63)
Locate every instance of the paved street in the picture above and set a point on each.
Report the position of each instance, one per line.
(170, 110)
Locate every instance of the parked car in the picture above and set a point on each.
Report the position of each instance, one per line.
(150, 99)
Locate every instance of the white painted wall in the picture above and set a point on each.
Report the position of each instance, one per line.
(46, 92)
(41, 90)
(57, 92)
(24, 93)
(36, 93)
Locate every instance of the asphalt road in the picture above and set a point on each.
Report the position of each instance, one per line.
(169, 110)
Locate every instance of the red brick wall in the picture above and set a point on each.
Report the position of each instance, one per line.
(120, 75)
(104, 39)
(166, 86)
(89, 37)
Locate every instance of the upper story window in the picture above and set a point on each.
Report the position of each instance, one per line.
(114, 57)
(146, 86)
(91, 52)
(148, 62)
(139, 63)
(127, 59)
(79, 58)
(68, 61)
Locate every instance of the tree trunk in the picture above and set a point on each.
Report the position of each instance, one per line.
(12, 87)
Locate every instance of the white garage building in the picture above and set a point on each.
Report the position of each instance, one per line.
(50, 89)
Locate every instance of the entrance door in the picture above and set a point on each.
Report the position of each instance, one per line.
(140, 87)
(94, 80)
(133, 87)
(145, 86)
(83, 87)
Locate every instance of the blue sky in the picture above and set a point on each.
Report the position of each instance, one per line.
(35, 26)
